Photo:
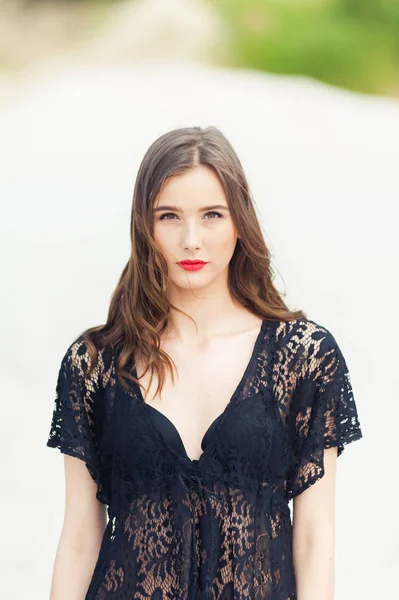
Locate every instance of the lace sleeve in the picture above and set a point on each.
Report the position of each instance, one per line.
(323, 412)
(73, 425)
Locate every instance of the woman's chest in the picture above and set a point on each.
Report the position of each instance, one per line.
(244, 446)
(205, 383)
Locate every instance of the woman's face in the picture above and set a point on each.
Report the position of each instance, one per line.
(192, 221)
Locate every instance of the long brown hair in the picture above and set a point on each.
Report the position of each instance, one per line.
(139, 307)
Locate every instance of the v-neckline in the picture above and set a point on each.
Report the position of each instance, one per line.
(177, 434)
(220, 418)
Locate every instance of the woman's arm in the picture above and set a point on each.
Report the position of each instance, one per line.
(85, 520)
(314, 535)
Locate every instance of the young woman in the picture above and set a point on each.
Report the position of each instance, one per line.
(200, 408)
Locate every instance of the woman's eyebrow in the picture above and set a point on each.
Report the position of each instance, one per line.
(178, 209)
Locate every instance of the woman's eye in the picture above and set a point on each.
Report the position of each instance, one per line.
(162, 217)
(214, 213)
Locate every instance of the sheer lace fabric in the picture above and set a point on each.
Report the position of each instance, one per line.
(218, 527)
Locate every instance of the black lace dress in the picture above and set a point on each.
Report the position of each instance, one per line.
(218, 527)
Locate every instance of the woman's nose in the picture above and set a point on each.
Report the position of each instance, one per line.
(191, 237)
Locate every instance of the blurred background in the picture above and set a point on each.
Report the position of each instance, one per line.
(348, 43)
(307, 93)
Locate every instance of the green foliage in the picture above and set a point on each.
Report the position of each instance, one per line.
(348, 43)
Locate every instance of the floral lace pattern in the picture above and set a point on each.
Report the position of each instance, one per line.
(217, 528)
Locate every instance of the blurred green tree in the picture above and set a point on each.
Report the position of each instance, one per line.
(348, 43)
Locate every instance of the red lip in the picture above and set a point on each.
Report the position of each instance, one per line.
(192, 265)
(192, 262)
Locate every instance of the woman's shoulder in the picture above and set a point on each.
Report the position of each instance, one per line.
(301, 331)
(87, 360)
(303, 339)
